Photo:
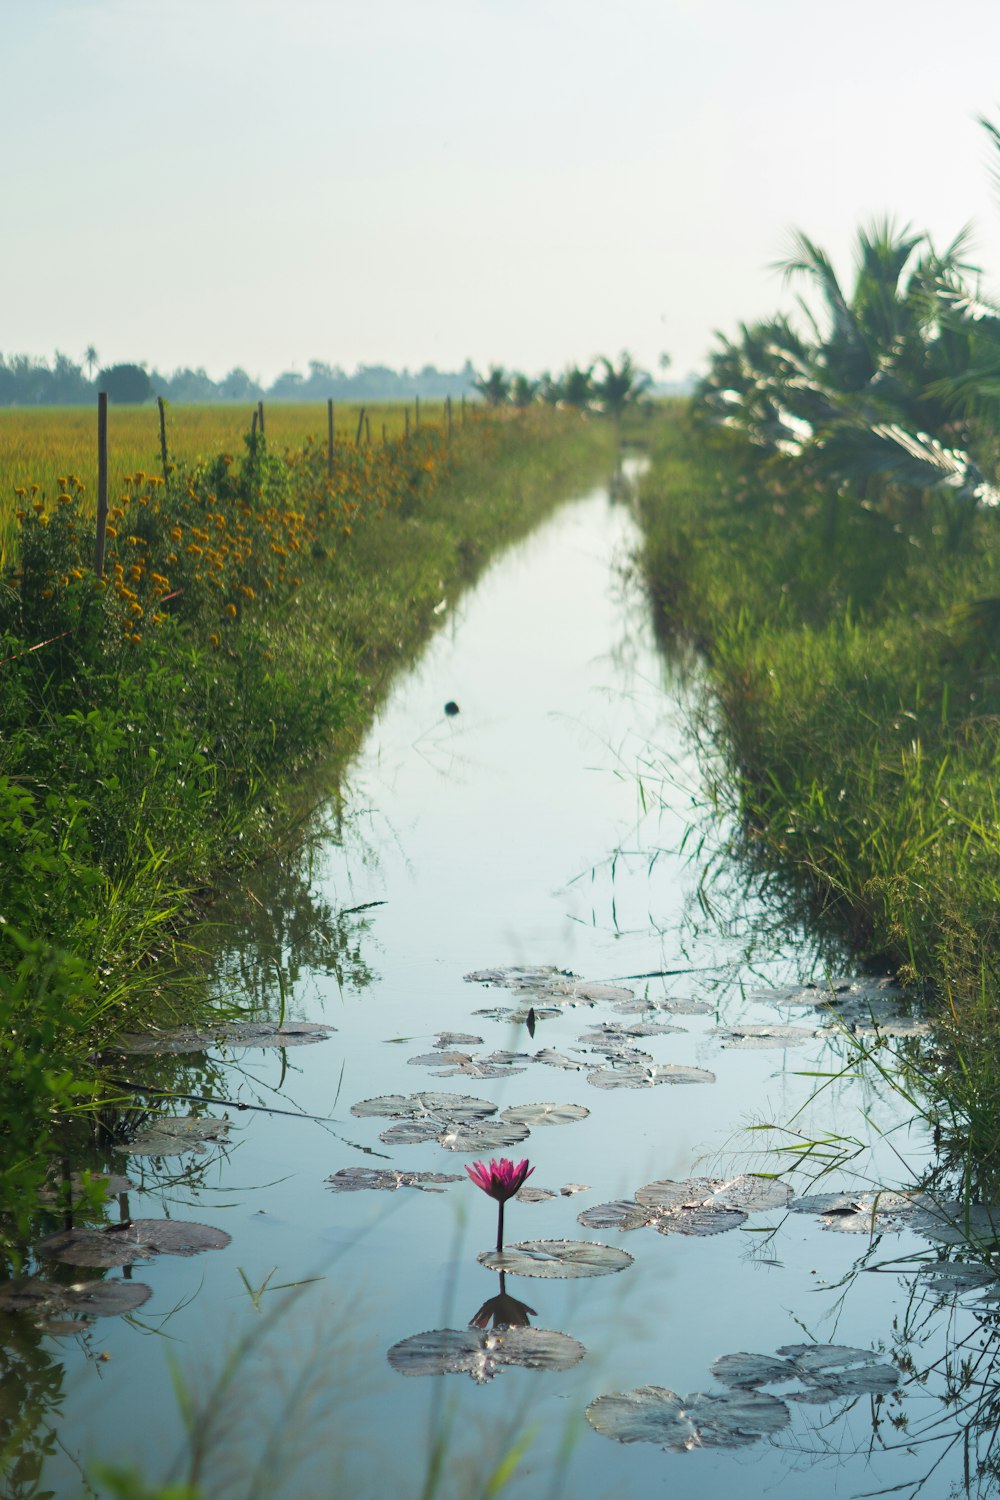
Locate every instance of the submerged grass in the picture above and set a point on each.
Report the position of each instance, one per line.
(854, 655)
(157, 726)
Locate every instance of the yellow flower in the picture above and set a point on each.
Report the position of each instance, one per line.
(176, 534)
(112, 531)
(231, 611)
(43, 520)
(135, 639)
(20, 491)
(46, 593)
(214, 639)
(194, 549)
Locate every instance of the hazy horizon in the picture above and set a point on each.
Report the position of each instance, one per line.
(259, 185)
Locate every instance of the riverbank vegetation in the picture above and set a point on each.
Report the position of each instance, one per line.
(852, 641)
(156, 720)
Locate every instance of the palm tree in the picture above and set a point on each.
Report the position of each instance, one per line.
(494, 387)
(90, 359)
(620, 387)
(522, 391)
(576, 387)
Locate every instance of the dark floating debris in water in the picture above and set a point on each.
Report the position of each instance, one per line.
(546, 1114)
(451, 708)
(762, 1036)
(122, 1245)
(387, 1180)
(227, 1034)
(698, 1206)
(646, 1076)
(653, 1414)
(481, 1354)
(171, 1135)
(556, 1258)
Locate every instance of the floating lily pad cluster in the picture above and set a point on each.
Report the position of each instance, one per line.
(742, 1413)
(862, 1006)
(697, 1206)
(949, 1221)
(460, 1122)
(365, 1179)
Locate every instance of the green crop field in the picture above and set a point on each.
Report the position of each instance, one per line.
(44, 445)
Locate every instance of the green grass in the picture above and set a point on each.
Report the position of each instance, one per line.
(854, 657)
(143, 755)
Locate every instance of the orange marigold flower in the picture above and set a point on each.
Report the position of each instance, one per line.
(231, 611)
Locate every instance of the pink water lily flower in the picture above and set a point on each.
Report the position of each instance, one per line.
(501, 1179)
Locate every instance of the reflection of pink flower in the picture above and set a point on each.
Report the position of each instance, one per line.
(501, 1179)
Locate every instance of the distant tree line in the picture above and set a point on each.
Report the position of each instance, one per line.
(26, 381)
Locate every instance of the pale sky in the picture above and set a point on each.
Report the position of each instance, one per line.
(530, 182)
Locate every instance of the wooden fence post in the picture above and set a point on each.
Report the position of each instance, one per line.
(361, 428)
(260, 412)
(102, 482)
(329, 437)
(253, 424)
(163, 440)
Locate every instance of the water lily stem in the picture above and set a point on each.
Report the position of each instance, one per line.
(500, 1225)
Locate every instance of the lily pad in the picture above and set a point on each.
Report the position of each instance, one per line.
(647, 1077)
(670, 1007)
(556, 1258)
(447, 1039)
(95, 1299)
(827, 1372)
(475, 1068)
(170, 1135)
(554, 1059)
(954, 1277)
(227, 1034)
(762, 1036)
(481, 1354)
(546, 1114)
(514, 976)
(362, 1179)
(411, 1132)
(860, 1213)
(653, 1414)
(439, 1059)
(534, 1195)
(138, 1240)
(613, 1031)
(505, 1013)
(623, 1214)
(480, 1137)
(438, 1106)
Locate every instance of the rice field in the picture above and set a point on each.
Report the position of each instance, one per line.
(43, 445)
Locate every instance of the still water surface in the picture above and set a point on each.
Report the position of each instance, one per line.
(542, 824)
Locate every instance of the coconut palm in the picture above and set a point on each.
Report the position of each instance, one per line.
(621, 387)
(494, 386)
(576, 387)
(90, 359)
(522, 391)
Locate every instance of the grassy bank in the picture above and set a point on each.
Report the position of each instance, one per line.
(156, 723)
(854, 656)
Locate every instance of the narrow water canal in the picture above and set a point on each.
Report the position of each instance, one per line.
(540, 825)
